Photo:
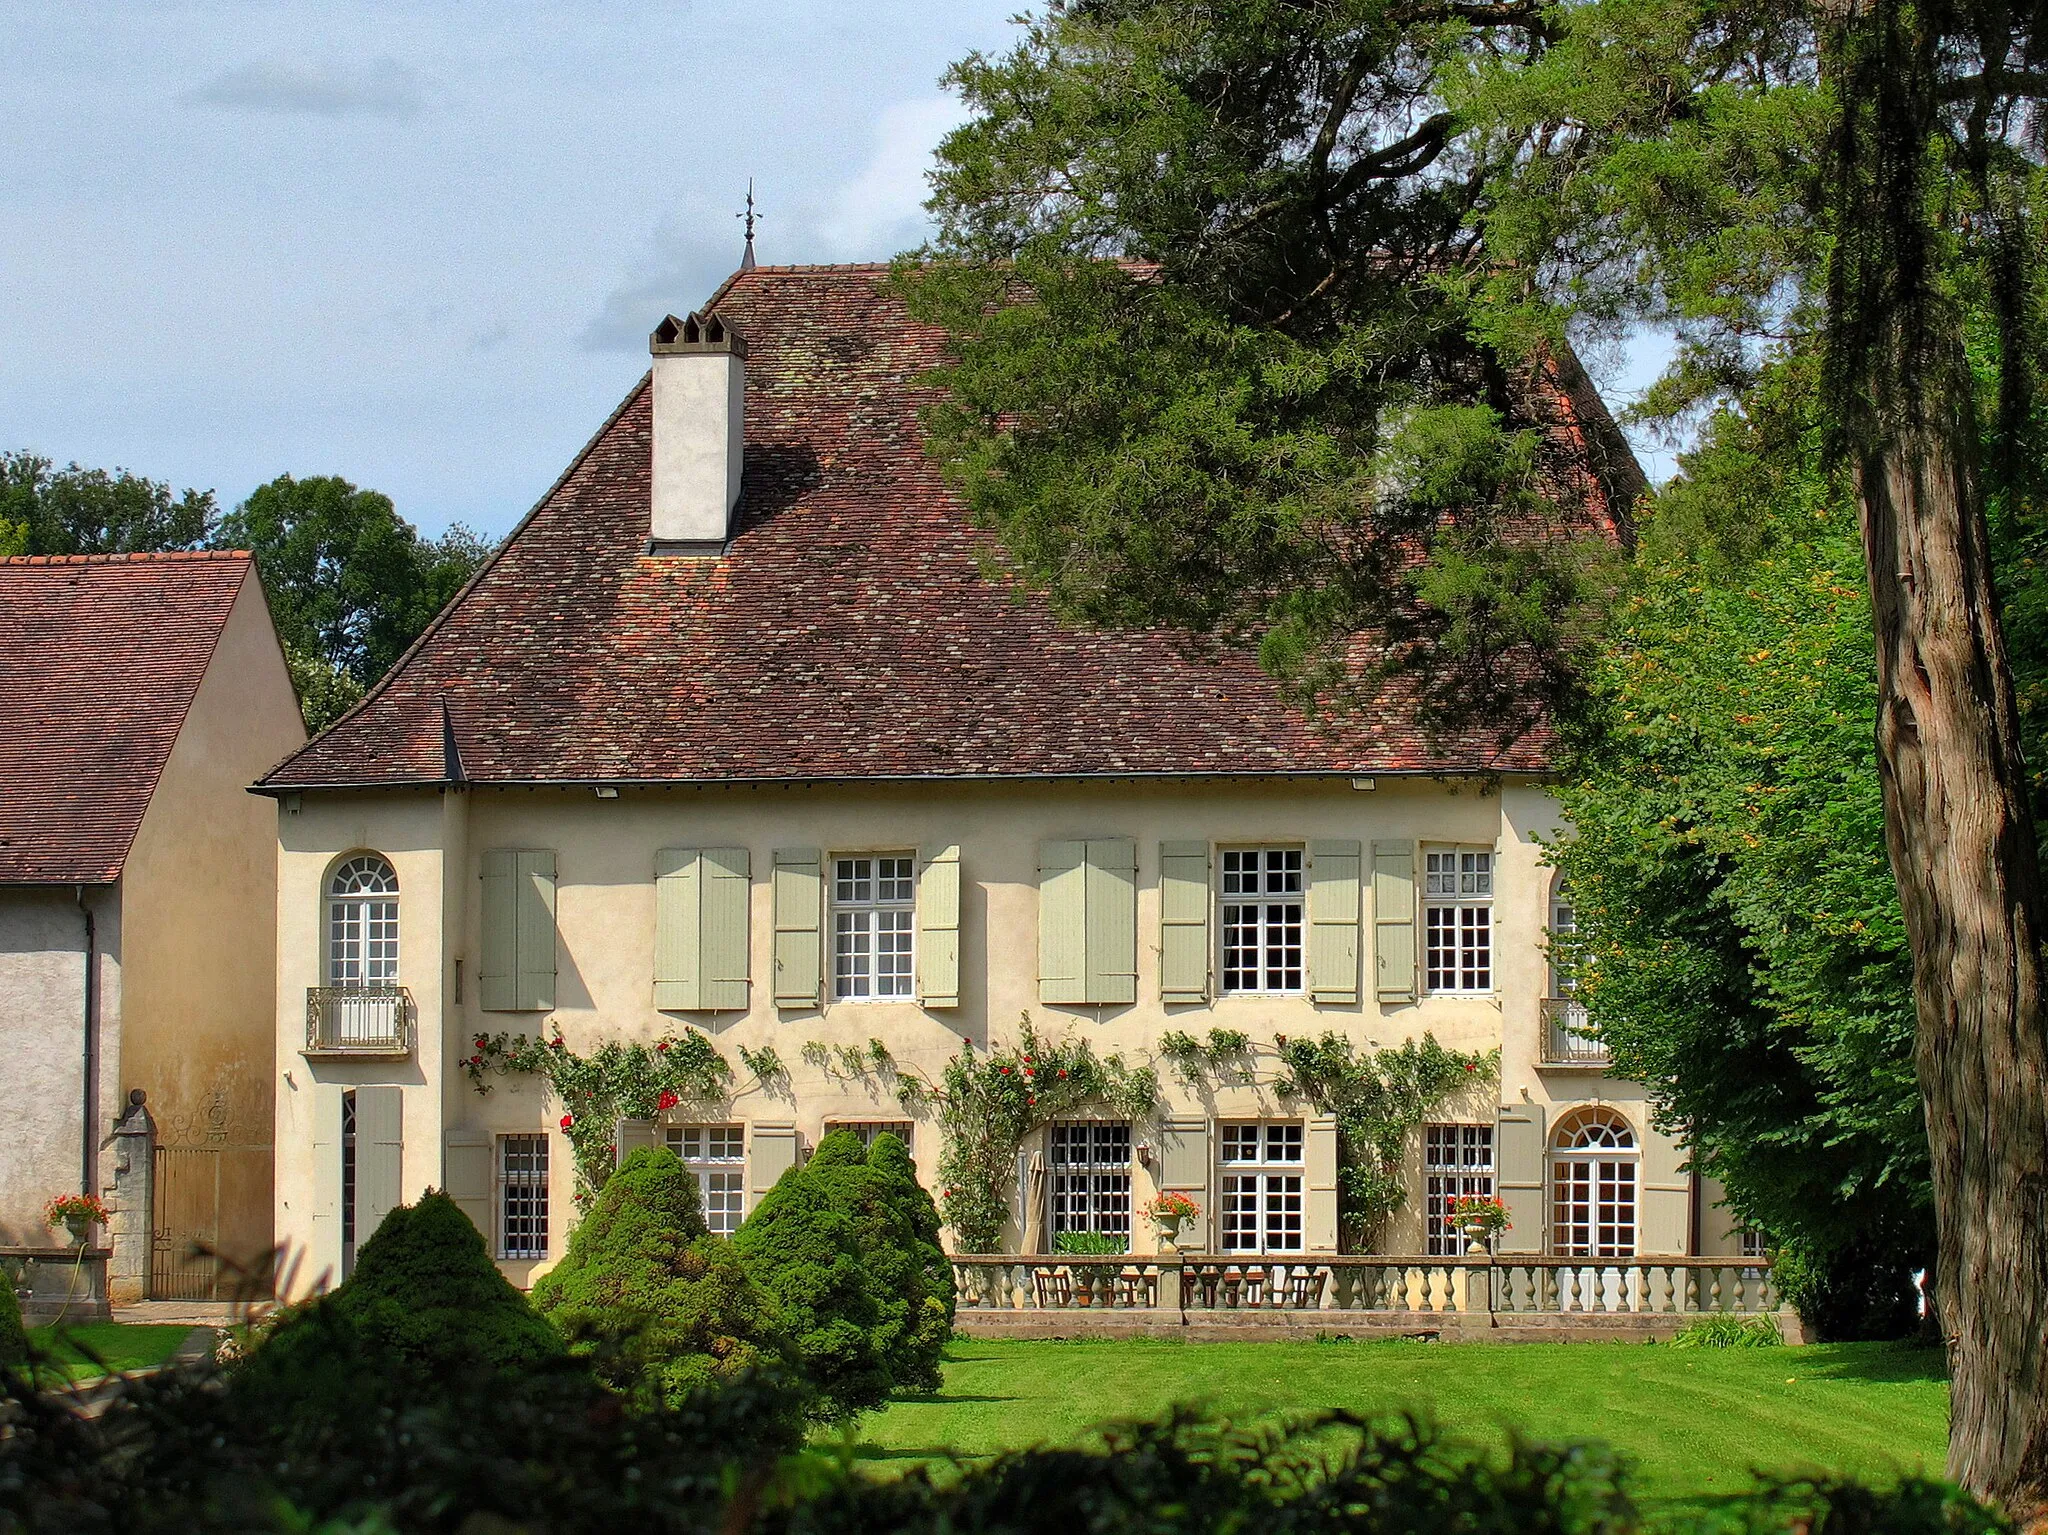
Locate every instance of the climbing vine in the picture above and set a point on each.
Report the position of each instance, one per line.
(986, 1104)
(616, 1081)
(1225, 1055)
(1378, 1097)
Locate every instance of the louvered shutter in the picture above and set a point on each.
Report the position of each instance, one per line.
(324, 1241)
(1319, 1214)
(1112, 920)
(771, 1152)
(1393, 919)
(678, 966)
(799, 899)
(380, 1158)
(938, 927)
(467, 1175)
(1062, 922)
(1184, 1165)
(726, 885)
(1518, 1176)
(633, 1134)
(497, 971)
(1184, 922)
(1333, 921)
(535, 991)
(1666, 1200)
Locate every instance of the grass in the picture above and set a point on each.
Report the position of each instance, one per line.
(1696, 1422)
(92, 1349)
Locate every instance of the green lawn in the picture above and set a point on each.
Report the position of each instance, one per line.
(95, 1348)
(1695, 1421)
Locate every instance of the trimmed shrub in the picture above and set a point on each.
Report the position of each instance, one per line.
(658, 1305)
(13, 1337)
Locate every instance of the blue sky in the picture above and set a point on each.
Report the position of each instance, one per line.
(420, 245)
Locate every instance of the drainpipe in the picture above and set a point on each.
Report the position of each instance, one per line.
(88, 1119)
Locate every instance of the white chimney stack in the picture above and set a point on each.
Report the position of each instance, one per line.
(700, 371)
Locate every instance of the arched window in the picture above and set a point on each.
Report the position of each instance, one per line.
(1593, 1185)
(362, 923)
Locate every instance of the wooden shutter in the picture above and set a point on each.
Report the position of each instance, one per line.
(536, 930)
(1665, 1200)
(726, 885)
(1393, 919)
(799, 898)
(678, 906)
(631, 1135)
(1112, 920)
(380, 1158)
(1184, 922)
(771, 1152)
(938, 927)
(324, 1239)
(1184, 1155)
(1333, 921)
(467, 1174)
(497, 971)
(1062, 921)
(1518, 1176)
(1319, 1212)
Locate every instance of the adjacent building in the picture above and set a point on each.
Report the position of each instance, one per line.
(139, 694)
(737, 732)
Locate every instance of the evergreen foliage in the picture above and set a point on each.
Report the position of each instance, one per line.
(13, 1337)
(658, 1305)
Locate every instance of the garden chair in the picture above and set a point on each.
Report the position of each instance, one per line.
(1052, 1288)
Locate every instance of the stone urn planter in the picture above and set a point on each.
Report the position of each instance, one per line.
(76, 1215)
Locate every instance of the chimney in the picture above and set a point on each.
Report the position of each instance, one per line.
(699, 434)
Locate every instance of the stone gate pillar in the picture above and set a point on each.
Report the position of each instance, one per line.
(131, 1230)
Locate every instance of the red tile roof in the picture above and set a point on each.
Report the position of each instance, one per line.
(100, 656)
(849, 632)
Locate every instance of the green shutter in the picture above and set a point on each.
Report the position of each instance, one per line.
(1518, 1176)
(678, 904)
(771, 1152)
(323, 1250)
(726, 884)
(380, 1158)
(938, 927)
(1333, 921)
(632, 1135)
(1062, 921)
(799, 899)
(1184, 921)
(1320, 1167)
(1184, 1156)
(535, 992)
(1666, 1198)
(497, 971)
(1393, 919)
(466, 1175)
(1112, 968)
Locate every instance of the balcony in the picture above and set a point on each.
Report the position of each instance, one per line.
(1567, 1037)
(358, 1021)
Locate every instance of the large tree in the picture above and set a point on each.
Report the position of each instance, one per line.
(89, 511)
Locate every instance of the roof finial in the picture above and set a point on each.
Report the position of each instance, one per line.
(747, 256)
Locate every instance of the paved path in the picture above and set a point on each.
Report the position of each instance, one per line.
(193, 1313)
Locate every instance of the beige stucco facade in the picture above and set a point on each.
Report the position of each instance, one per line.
(604, 851)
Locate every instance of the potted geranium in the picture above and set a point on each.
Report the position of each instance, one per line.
(1482, 1217)
(77, 1214)
(1169, 1212)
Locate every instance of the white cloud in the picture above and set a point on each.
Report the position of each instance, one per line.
(881, 210)
(379, 88)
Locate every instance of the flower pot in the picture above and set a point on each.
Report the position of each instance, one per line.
(79, 1228)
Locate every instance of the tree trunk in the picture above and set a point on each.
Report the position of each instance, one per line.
(1962, 847)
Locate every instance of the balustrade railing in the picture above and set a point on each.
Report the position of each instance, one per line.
(358, 1020)
(1535, 1286)
(1567, 1040)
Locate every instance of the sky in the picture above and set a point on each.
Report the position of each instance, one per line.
(421, 245)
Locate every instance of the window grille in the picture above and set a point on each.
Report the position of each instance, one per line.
(1593, 1186)
(523, 1196)
(1090, 1177)
(1457, 1161)
(874, 914)
(1262, 910)
(868, 1129)
(717, 1155)
(1458, 919)
(1262, 1188)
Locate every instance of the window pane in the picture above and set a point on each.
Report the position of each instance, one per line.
(892, 953)
(523, 1186)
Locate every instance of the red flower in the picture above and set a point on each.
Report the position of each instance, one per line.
(1471, 1066)
(662, 1046)
(1063, 1073)
(1279, 1039)
(665, 1102)
(476, 1060)
(481, 1041)
(568, 1120)
(1006, 1071)
(1031, 1100)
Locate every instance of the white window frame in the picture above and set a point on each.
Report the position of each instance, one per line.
(1457, 1162)
(1088, 1176)
(874, 921)
(716, 1155)
(867, 1129)
(1459, 955)
(1596, 1187)
(1262, 895)
(1263, 1175)
(361, 930)
(523, 1195)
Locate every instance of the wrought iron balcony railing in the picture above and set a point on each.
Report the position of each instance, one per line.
(1567, 1037)
(359, 1020)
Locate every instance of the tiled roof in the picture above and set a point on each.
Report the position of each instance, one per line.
(849, 632)
(100, 656)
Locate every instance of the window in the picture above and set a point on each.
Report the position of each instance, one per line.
(1593, 1186)
(1755, 1243)
(1457, 905)
(523, 1196)
(1091, 1177)
(868, 1129)
(1564, 921)
(348, 1183)
(717, 1154)
(1262, 1172)
(1456, 1160)
(1262, 919)
(362, 923)
(874, 901)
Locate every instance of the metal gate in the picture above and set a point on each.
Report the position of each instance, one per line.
(185, 1225)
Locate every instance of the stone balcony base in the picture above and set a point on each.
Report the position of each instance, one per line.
(58, 1284)
(1307, 1326)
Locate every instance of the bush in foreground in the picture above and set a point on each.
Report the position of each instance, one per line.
(13, 1337)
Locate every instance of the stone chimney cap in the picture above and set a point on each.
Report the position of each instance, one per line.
(698, 333)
